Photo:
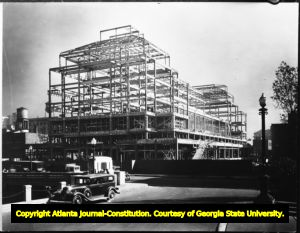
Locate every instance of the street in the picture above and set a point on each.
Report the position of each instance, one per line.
(186, 189)
(167, 189)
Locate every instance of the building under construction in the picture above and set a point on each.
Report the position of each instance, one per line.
(122, 91)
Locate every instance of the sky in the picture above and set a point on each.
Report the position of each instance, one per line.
(236, 44)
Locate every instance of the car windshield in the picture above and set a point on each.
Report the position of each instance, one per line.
(82, 181)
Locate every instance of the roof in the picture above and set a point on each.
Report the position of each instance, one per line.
(258, 134)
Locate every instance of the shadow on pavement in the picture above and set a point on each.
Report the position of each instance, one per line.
(206, 200)
(199, 182)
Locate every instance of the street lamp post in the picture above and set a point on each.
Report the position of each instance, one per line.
(30, 153)
(263, 111)
(88, 162)
(264, 196)
(94, 142)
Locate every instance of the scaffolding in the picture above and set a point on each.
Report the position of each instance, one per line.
(123, 91)
(220, 103)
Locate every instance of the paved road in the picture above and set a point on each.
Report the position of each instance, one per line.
(168, 189)
(179, 189)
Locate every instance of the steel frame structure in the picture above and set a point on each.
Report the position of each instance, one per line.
(123, 91)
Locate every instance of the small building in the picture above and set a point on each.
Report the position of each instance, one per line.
(257, 141)
(9, 122)
(24, 146)
(19, 142)
(39, 125)
(284, 138)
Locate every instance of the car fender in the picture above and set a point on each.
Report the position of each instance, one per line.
(115, 189)
(87, 189)
(82, 195)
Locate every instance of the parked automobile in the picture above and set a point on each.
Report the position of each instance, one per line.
(85, 188)
(73, 168)
(24, 166)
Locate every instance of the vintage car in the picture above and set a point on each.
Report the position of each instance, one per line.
(85, 188)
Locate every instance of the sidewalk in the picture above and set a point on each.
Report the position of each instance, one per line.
(6, 207)
(197, 176)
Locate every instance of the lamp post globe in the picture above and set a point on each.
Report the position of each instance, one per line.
(262, 101)
(30, 153)
(93, 141)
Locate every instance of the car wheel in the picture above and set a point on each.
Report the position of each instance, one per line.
(87, 193)
(111, 194)
(77, 200)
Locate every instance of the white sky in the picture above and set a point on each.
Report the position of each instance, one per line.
(237, 44)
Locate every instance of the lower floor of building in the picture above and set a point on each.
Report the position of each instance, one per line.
(123, 153)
